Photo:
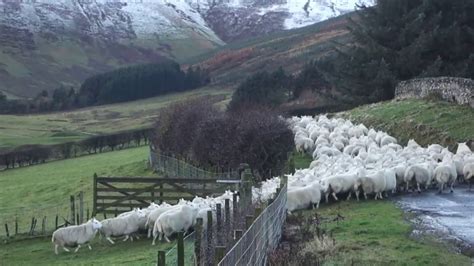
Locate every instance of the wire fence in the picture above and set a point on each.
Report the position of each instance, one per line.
(173, 167)
(262, 237)
(43, 219)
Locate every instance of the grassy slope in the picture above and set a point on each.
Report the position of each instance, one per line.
(425, 121)
(376, 233)
(75, 125)
(43, 189)
(289, 49)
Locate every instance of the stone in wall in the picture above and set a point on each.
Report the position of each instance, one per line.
(456, 90)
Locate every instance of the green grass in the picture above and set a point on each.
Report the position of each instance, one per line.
(40, 252)
(44, 190)
(62, 127)
(376, 233)
(425, 121)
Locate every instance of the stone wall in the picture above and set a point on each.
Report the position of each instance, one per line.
(457, 90)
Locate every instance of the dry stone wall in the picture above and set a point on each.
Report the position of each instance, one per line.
(457, 90)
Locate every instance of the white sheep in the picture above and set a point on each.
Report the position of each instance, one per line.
(418, 174)
(303, 197)
(468, 172)
(122, 226)
(75, 235)
(445, 173)
(174, 221)
(338, 184)
(370, 183)
(150, 221)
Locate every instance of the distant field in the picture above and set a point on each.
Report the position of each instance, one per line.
(425, 121)
(61, 127)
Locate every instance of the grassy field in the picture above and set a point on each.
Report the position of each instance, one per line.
(375, 233)
(425, 121)
(45, 189)
(76, 125)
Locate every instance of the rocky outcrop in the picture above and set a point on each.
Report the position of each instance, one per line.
(457, 90)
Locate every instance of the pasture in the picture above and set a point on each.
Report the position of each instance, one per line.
(425, 121)
(75, 125)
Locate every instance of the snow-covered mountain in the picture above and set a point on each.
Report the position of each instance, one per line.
(45, 43)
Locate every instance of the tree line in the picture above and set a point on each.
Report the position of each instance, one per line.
(124, 84)
(35, 154)
(198, 132)
(393, 41)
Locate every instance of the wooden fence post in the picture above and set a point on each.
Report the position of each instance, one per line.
(209, 229)
(81, 207)
(234, 205)
(246, 186)
(219, 223)
(94, 196)
(161, 193)
(16, 225)
(161, 258)
(180, 249)
(238, 234)
(248, 221)
(56, 222)
(6, 230)
(197, 241)
(227, 220)
(219, 254)
(73, 210)
(43, 226)
(258, 211)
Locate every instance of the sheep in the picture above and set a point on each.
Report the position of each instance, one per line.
(338, 184)
(445, 174)
(174, 221)
(390, 180)
(468, 172)
(419, 174)
(119, 226)
(388, 140)
(75, 235)
(302, 197)
(463, 149)
(150, 221)
(370, 183)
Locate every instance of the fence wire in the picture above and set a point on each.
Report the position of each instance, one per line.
(176, 168)
(262, 237)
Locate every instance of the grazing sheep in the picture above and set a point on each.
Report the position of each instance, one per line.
(122, 226)
(75, 235)
(303, 197)
(174, 221)
(468, 172)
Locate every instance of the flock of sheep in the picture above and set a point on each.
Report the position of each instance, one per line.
(351, 159)
(348, 160)
(159, 220)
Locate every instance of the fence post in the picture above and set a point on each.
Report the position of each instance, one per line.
(180, 249)
(16, 225)
(246, 186)
(81, 207)
(43, 226)
(56, 221)
(219, 254)
(209, 232)
(218, 223)
(248, 221)
(6, 230)
(94, 196)
(227, 220)
(234, 205)
(238, 234)
(258, 211)
(197, 242)
(161, 258)
(73, 210)
(161, 193)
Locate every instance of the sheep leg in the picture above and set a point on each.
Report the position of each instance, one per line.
(334, 196)
(89, 245)
(166, 238)
(78, 247)
(441, 185)
(380, 195)
(327, 197)
(376, 195)
(137, 236)
(357, 195)
(407, 186)
(418, 187)
(452, 187)
(149, 232)
(349, 196)
(56, 249)
(365, 195)
(154, 239)
(65, 249)
(110, 240)
(125, 238)
(317, 205)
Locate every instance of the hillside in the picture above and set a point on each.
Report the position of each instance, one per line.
(425, 121)
(232, 63)
(79, 124)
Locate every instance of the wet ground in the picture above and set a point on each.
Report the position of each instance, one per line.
(448, 215)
